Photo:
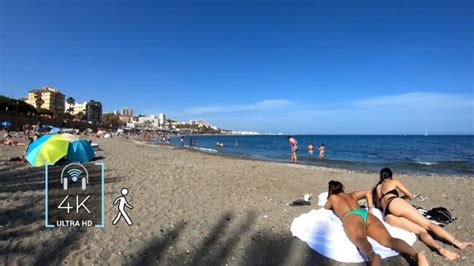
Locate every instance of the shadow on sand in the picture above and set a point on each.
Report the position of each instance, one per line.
(233, 239)
(22, 225)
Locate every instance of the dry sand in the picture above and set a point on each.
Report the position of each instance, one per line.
(194, 208)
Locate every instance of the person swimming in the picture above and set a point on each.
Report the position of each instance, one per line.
(399, 213)
(358, 224)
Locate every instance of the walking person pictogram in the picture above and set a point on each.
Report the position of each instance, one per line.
(122, 203)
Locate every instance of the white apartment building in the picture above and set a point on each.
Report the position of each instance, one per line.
(77, 108)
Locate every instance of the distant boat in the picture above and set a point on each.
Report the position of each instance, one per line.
(426, 134)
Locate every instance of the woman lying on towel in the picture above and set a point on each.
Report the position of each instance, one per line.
(399, 213)
(358, 224)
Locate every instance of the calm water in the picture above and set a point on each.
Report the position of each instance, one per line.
(453, 155)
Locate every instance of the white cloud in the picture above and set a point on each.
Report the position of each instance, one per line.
(261, 105)
(422, 100)
(409, 113)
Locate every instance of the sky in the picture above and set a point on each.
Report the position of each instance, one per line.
(300, 67)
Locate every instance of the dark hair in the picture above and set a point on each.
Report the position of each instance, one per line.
(385, 173)
(335, 187)
(289, 136)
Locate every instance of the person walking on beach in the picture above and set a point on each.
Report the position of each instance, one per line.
(294, 149)
(322, 150)
(310, 150)
(122, 203)
(399, 213)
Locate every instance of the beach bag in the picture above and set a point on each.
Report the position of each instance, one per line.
(439, 215)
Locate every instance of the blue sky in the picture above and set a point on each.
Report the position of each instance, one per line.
(323, 67)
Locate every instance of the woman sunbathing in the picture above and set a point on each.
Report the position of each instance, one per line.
(402, 214)
(358, 224)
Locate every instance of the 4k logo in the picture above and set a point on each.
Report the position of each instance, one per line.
(74, 195)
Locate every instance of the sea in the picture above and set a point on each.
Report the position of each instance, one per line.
(433, 154)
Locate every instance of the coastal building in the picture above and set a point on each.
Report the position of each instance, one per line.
(47, 98)
(146, 121)
(76, 108)
(126, 115)
(203, 123)
(93, 111)
(161, 120)
(127, 111)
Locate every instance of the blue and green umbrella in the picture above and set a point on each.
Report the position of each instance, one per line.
(80, 151)
(47, 149)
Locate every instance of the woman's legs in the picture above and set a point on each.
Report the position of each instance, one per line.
(402, 208)
(379, 233)
(355, 230)
(422, 233)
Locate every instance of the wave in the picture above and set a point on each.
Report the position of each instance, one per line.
(206, 149)
(425, 163)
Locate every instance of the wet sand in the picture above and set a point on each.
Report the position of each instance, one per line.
(195, 208)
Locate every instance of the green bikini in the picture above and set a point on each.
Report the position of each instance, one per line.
(361, 212)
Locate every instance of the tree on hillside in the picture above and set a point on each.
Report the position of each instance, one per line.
(39, 101)
(71, 102)
(81, 116)
(46, 112)
(16, 106)
(111, 120)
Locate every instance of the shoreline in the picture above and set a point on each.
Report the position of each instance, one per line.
(309, 165)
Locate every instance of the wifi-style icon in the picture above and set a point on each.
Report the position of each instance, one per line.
(74, 174)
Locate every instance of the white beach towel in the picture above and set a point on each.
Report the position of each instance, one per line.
(323, 232)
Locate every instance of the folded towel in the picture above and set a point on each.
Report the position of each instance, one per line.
(420, 197)
(323, 232)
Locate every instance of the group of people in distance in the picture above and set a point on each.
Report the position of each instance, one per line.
(358, 223)
(294, 149)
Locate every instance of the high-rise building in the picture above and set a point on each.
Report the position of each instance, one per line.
(47, 98)
(126, 115)
(93, 111)
(127, 111)
(161, 120)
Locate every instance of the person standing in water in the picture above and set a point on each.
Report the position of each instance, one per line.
(294, 149)
(322, 150)
(182, 141)
(310, 150)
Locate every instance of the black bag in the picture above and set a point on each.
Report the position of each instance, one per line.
(440, 215)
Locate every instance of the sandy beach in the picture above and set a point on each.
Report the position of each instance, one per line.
(195, 208)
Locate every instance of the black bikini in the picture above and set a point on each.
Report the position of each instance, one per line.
(393, 192)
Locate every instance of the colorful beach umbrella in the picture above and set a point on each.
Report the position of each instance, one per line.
(6, 123)
(80, 151)
(47, 149)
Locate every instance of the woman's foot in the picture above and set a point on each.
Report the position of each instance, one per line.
(375, 260)
(421, 259)
(449, 254)
(461, 245)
